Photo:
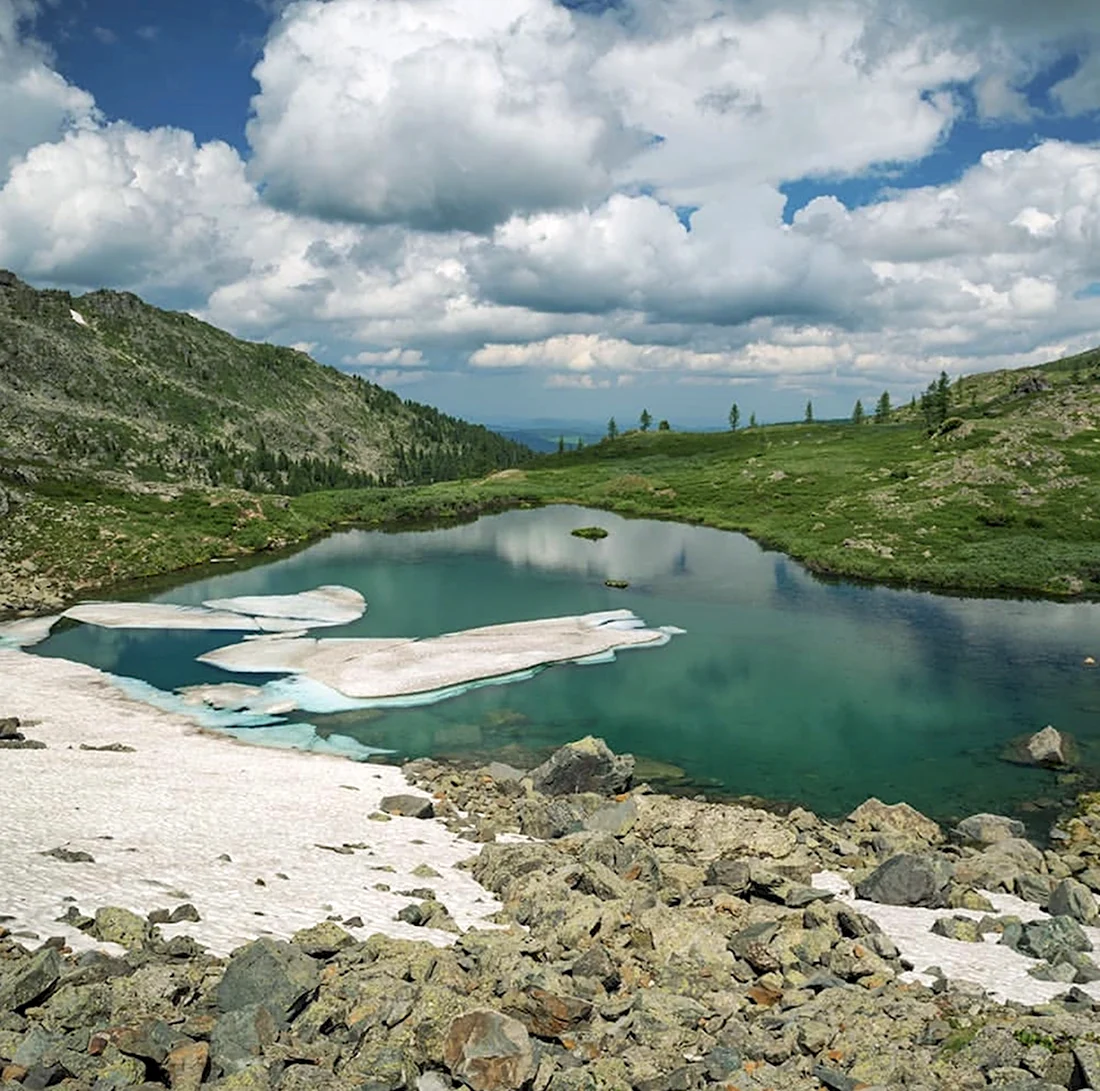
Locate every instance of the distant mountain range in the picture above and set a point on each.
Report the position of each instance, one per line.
(107, 384)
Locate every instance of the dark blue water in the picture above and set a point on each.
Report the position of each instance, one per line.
(783, 686)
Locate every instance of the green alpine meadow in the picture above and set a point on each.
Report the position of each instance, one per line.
(137, 442)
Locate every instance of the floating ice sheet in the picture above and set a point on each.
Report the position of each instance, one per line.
(162, 615)
(380, 669)
(327, 605)
(323, 606)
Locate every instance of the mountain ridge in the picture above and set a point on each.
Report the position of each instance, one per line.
(109, 384)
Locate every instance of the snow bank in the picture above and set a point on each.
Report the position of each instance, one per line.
(999, 970)
(244, 833)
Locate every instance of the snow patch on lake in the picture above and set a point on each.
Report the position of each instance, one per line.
(378, 670)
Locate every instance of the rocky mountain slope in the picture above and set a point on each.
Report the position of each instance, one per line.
(106, 383)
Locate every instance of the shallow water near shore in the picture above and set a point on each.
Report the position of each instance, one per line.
(783, 686)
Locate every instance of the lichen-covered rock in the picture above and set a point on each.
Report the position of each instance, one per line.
(489, 1051)
(114, 924)
(1073, 899)
(988, 829)
(587, 765)
(30, 982)
(268, 972)
(898, 818)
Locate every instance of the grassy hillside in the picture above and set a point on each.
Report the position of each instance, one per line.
(105, 384)
(1003, 495)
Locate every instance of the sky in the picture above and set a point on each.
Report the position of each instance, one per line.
(519, 209)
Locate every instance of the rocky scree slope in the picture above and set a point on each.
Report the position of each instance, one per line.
(109, 384)
(650, 943)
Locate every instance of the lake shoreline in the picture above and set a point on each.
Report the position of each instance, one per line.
(37, 594)
(711, 928)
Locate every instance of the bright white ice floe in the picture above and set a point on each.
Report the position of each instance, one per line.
(162, 615)
(187, 817)
(323, 606)
(386, 669)
(328, 605)
(999, 970)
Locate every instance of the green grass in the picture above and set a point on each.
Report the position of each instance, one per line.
(591, 534)
(1008, 503)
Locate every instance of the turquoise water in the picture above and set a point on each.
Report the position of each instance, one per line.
(783, 686)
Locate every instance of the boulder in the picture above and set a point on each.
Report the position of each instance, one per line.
(186, 1066)
(268, 972)
(1050, 939)
(240, 1036)
(988, 829)
(23, 986)
(958, 928)
(907, 880)
(114, 924)
(1049, 748)
(897, 818)
(489, 1051)
(408, 806)
(1073, 899)
(323, 939)
(587, 765)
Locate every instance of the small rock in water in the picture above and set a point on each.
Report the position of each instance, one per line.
(1048, 747)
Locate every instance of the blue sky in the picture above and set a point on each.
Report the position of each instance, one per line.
(531, 209)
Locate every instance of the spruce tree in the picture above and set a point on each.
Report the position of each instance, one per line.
(809, 418)
(645, 420)
(882, 409)
(857, 412)
(735, 417)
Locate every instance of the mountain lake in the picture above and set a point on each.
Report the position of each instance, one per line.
(782, 686)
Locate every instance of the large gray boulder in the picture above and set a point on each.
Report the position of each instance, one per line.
(1073, 899)
(587, 765)
(988, 829)
(268, 972)
(906, 879)
(26, 984)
